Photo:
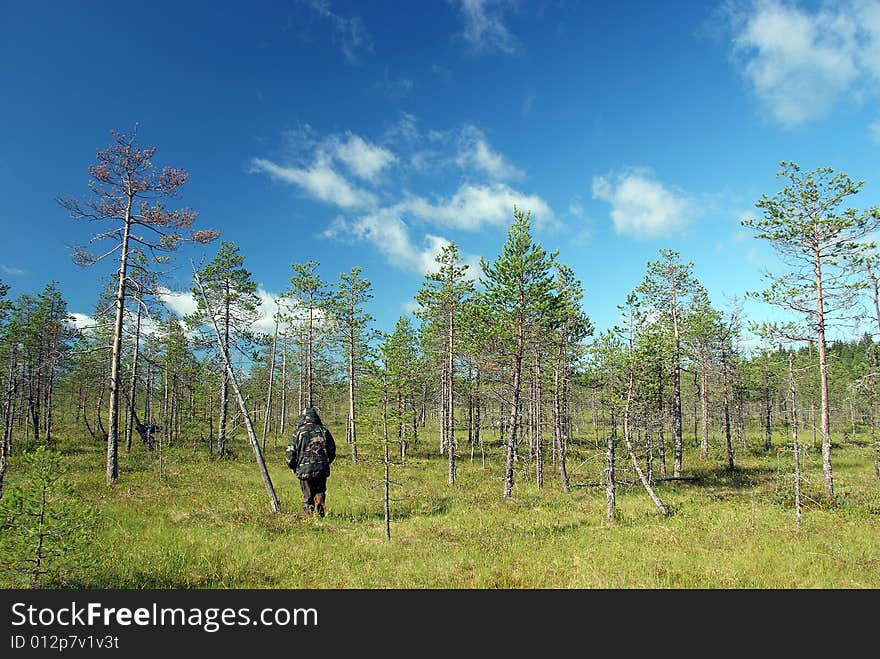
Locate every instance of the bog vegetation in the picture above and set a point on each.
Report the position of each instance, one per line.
(492, 439)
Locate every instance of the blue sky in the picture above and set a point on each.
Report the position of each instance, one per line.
(368, 133)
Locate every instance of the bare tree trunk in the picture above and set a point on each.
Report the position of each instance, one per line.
(283, 385)
(449, 421)
(112, 471)
(696, 392)
(610, 491)
(50, 387)
(386, 500)
(514, 411)
(132, 387)
(261, 464)
(627, 436)
(271, 381)
(558, 411)
(6, 443)
(677, 439)
(351, 428)
(309, 365)
(794, 441)
(661, 418)
(704, 407)
(442, 411)
(539, 447)
(827, 474)
(224, 390)
(726, 408)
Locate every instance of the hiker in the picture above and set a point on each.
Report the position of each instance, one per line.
(146, 430)
(309, 454)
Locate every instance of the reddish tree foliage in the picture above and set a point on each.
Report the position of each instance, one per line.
(127, 191)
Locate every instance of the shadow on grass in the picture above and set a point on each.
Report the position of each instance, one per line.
(427, 509)
(738, 478)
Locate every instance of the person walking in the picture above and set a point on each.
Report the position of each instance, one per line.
(309, 454)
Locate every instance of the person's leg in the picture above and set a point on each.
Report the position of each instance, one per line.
(320, 497)
(308, 496)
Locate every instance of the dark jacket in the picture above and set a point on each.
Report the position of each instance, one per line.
(307, 425)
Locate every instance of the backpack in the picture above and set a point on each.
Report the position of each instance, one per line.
(314, 461)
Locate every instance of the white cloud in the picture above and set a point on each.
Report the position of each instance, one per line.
(82, 322)
(349, 32)
(319, 180)
(484, 28)
(12, 270)
(472, 206)
(265, 322)
(475, 151)
(386, 231)
(800, 63)
(181, 303)
(384, 210)
(395, 88)
(404, 131)
(364, 159)
(640, 206)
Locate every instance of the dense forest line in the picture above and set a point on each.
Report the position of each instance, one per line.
(506, 357)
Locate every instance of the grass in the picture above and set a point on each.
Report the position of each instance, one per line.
(207, 524)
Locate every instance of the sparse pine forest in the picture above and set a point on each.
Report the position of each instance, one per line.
(493, 438)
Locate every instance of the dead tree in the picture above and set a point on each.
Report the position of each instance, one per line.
(252, 436)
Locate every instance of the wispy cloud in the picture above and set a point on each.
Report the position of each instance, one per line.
(484, 26)
(528, 104)
(441, 72)
(475, 151)
(474, 206)
(395, 87)
(319, 181)
(800, 63)
(348, 32)
(364, 159)
(12, 270)
(642, 207)
(388, 233)
(383, 210)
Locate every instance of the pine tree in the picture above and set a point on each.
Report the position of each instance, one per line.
(442, 296)
(519, 293)
(667, 286)
(310, 294)
(823, 249)
(232, 294)
(45, 531)
(353, 292)
(127, 191)
(572, 327)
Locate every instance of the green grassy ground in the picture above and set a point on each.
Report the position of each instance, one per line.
(208, 524)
